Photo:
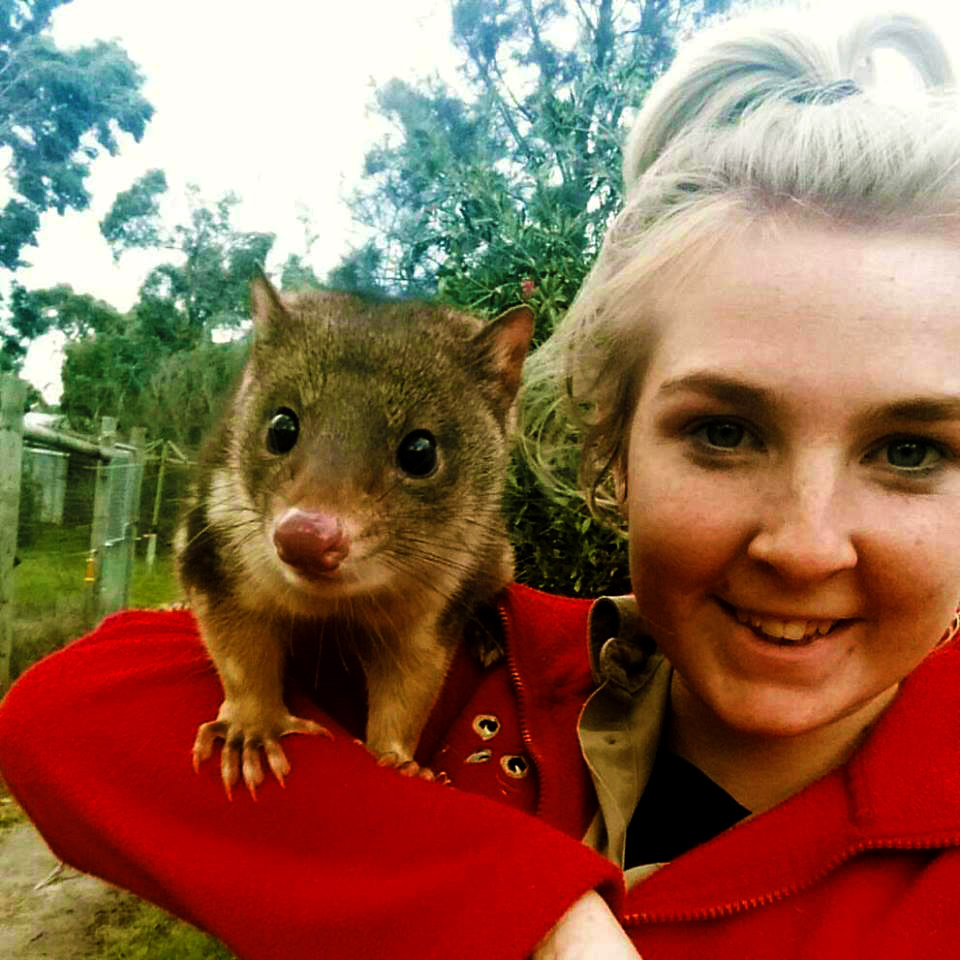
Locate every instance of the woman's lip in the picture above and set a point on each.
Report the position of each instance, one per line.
(784, 630)
(734, 609)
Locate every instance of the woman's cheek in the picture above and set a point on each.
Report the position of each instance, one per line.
(684, 535)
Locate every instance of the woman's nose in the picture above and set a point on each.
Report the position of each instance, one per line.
(806, 533)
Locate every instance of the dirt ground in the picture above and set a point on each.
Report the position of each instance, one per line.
(44, 917)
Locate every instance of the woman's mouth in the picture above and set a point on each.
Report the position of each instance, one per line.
(782, 631)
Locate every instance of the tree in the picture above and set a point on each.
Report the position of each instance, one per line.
(159, 364)
(504, 193)
(187, 390)
(60, 109)
(207, 285)
(515, 181)
(297, 274)
(36, 312)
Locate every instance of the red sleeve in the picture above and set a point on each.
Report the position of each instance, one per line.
(349, 860)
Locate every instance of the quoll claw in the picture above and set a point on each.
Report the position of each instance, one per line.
(406, 768)
(242, 743)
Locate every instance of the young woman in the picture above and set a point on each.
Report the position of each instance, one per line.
(761, 749)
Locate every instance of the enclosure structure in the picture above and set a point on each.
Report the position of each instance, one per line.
(13, 392)
(47, 470)
(118, 476)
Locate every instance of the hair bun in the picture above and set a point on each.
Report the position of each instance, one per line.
(734, 68)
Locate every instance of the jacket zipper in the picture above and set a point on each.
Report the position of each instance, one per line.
(738, 906)
(535, 756)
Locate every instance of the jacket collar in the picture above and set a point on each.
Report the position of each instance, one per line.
(900, 790)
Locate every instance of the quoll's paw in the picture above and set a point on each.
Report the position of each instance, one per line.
(409, 768)
(244, 736)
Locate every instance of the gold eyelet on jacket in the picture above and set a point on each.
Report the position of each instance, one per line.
(515, 765)
(486, 726)
(480, 756)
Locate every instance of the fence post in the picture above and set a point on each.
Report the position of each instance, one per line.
(13, 393)
(101, 517)
(158, 494)
(134, 488)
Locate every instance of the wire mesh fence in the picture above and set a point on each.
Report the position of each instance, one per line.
(94, 530)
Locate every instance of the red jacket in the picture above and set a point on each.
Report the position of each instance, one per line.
(355, 861)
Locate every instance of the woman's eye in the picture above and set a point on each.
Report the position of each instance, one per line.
(912, 453)
(721, 434)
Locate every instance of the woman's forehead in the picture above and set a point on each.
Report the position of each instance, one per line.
(828, 298)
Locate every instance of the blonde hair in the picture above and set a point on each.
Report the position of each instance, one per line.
(750, 121)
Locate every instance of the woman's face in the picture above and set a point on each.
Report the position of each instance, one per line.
(793, 480)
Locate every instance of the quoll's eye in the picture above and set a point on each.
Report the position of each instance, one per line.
(417, 453)
(283, 431)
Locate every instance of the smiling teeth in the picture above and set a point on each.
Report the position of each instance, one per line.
(787, 629)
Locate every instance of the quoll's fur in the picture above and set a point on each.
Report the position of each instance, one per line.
(318, 506)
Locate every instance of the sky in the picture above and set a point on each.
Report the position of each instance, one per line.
(268, 100)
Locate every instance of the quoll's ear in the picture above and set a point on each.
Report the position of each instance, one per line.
(266, 306)
(505, 342)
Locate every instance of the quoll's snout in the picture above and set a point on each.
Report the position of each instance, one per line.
(314, 543)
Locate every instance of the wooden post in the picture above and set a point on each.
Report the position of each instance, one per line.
(101, 519)
(152, 536)
(13, 393)
(134, 487)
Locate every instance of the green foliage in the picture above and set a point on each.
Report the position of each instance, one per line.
(504, 193)
(187, 389)
(143, 932)
(516, 180)
(48, 592)
(154, 588)
(297, 274)
(104, 375)
(160, 365)
(60, 110)
(35, 312)
(11, 814)
(359, 271)
(132, 221)
(207, 286)
(558, 546)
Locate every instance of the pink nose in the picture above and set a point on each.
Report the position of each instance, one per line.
(314, 543)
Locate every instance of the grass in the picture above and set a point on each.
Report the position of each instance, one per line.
(142, 932)
(51, 570)
(156, 587)
(10, 812)
(51, 598)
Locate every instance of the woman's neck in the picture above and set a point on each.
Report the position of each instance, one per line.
(759, 770)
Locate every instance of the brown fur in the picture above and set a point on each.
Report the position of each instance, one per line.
(425, 552)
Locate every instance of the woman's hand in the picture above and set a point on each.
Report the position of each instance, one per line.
(587, 931)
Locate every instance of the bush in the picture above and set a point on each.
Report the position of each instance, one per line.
(558, 545)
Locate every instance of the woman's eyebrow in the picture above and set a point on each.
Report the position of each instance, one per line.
(721, 387)
(929, 409)
(934, 408)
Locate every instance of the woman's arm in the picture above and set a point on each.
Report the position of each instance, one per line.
(346, 861)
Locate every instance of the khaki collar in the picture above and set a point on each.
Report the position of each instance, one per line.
(620, 652)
